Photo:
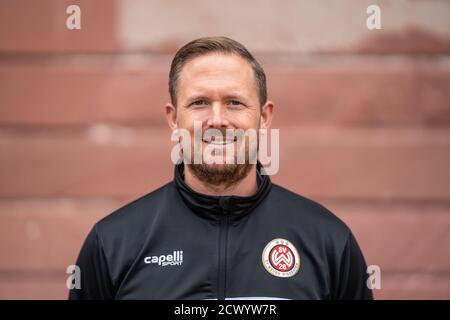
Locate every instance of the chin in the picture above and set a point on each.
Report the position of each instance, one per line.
(220, 166)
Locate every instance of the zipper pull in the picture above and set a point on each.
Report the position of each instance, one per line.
(224, 203)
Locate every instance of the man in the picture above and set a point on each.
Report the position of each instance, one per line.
(220, 229)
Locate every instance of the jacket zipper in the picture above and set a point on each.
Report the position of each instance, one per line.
(223, 239)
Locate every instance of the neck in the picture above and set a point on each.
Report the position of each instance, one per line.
(243, 188)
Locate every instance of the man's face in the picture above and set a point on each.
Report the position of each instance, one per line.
(220, 92)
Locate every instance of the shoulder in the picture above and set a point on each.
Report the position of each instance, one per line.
(306, 212)
(136, 215)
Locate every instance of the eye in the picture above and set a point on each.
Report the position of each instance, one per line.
(234, 102)
(198, 102)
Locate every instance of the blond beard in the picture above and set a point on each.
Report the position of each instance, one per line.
(225, 174)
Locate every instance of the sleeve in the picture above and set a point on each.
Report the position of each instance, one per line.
(352, 284)
(95, 278)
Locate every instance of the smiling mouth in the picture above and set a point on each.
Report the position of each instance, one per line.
(219, 141)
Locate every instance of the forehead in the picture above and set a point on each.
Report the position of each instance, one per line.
(217, 71)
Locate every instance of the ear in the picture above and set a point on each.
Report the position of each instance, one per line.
(171, 115)
(266, 115)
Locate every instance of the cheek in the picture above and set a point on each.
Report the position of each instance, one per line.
(245, 121)
(186, 119)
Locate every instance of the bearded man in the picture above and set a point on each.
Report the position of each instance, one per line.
(220, 229)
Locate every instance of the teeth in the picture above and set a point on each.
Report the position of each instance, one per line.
(219, 141)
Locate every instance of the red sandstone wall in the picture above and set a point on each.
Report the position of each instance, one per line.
(364, 120)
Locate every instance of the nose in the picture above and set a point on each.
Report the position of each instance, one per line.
(218, 116)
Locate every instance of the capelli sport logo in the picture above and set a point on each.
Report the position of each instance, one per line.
(280, 258)
(174, 259)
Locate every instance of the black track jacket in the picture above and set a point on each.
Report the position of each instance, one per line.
(175, 243)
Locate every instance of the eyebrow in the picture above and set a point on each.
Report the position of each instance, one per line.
(235, 96)
(195, 97)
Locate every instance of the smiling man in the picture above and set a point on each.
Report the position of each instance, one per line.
(220, 229)
(218, 90)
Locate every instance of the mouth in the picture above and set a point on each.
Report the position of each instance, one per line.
(219, 141)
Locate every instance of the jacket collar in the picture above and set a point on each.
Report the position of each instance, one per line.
(215, 207)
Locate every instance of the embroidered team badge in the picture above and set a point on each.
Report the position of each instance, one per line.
(281, 258)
